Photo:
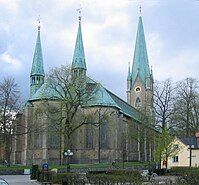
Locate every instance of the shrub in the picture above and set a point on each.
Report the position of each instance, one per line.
(45, 176)
(183, 170)
(188, 175)
(34, 172)
(160, 171)
(71, 177)
(115, 177)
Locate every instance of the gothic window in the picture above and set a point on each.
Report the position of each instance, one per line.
(80, 73)
(89, 136)
(37, 80)
(38, 135)
(33, 80)
(138, 103)
(38, 140)
(54, 140)
(104, 135)
(75, 73)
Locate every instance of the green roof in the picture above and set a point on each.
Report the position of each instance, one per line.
(44, 92)
(126, 108)
(140, 61)
(100, 97)
(37, 64)
(79, 56)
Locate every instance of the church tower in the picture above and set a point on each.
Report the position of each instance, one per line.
(37, 71)
(79, 62)
(140, 78)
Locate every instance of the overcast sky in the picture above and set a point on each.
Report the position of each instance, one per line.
(109, 30)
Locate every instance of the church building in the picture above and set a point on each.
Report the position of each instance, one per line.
(124, 133)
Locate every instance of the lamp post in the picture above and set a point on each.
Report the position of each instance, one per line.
(68, 154)
(190, 154)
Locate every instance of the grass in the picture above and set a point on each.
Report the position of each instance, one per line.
(14, 167)
(81, 166)
(101, 165)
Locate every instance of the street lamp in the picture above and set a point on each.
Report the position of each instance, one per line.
(190, 153)
(68, 154)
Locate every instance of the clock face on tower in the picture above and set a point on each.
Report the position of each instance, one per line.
(138, 89)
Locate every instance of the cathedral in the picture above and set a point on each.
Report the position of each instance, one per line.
(124, 135)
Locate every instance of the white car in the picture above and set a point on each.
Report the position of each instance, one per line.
(3, 182)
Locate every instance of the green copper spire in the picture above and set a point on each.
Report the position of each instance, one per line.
(140, 61)
(37, 65)
(37, 71)
(79, 56)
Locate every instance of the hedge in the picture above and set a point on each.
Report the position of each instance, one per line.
(109, 177)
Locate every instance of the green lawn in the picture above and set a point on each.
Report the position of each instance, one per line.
(13, 167)
(101, 165)
(80, 166)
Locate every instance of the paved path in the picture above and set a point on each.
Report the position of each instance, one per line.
(19, 180)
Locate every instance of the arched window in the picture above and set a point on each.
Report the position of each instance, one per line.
(33, 80)
(54, 135)
(89, 136)
(138, 103)
(104, 135)
(38, 135)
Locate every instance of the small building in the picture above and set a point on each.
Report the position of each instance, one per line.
(188, 155)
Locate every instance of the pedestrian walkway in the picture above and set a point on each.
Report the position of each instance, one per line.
(19, 180)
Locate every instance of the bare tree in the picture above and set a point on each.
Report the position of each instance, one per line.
(68, 94)
(164, 96)
(187, 107)
(9, 105)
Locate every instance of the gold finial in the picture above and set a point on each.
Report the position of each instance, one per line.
(80, 12)
(140, 10)
(39, 23)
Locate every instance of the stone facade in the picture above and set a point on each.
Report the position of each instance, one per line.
(123, 136)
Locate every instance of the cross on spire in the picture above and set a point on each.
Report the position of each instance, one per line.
(140, 10)
(80, 12)
(39, 22)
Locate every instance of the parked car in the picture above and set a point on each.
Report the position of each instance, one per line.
(3, 182)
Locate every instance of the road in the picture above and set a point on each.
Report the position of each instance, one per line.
(19, 180)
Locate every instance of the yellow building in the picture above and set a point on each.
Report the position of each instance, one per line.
(188, 155)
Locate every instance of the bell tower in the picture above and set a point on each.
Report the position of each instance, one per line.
(37, 71)
(140, 77)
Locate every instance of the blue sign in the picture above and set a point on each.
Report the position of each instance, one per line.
(45, 166)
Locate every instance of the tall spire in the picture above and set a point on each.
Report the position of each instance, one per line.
(37, 71)
(140, 61)
(37, 64)
(79, 56)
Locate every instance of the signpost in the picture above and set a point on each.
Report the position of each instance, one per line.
(45, 167)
